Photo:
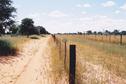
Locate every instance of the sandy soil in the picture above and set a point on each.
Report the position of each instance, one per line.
(32, 66)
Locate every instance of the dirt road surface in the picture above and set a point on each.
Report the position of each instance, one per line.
(32, 66)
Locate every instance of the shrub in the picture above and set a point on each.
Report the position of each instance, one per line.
(7, 48)
(34, 37)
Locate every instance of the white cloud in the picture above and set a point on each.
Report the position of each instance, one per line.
(84, 12)
(78, 5)
(100, 16)
(86, 5)
(79, 23)
(123, 7)
(57, 14)
(100, 22)
(108, 4)
(84, 23)
(117, 11)
(85, 19)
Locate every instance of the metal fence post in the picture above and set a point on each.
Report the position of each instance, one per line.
(72, 64)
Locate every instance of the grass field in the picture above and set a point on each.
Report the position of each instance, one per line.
(103, 38)
(98, 62)
(57, 63)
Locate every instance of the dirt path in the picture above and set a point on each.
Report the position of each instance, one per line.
(33, 71)
(32, 66)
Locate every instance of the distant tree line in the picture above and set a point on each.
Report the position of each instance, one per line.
(8, 24)
(106, 32)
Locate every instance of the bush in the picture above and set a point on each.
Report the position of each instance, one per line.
(34, 37)
(7, 48)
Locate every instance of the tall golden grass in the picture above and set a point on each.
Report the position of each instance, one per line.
(101, 38)
(13, 44)
(98, 51)
(57, 61)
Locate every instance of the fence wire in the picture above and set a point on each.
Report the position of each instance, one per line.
(100, 59)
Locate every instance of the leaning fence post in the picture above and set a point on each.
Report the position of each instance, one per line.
(110, 38)
(72, 64)
(60, 48)
(121, 39)
(65, 42)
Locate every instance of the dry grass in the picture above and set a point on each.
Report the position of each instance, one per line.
(109, 57)
(61, 77)
(101, 38)
(15, 42)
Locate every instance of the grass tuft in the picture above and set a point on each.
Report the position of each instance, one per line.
(7, 48)
(33, 37)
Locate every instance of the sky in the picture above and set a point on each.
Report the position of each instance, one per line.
(74, 15)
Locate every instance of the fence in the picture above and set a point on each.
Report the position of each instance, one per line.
(97, 59)
(120, 39)
(68, 60)
(63, 51)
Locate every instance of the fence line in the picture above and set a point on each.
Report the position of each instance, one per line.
(72, 57)
(119, 39)
(82, 39)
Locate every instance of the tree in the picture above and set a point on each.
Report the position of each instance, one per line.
(42, 30)
(100, 33)
(6, 15)
(89, 32)
(26, 27)
(94, 32)
(34, 30)
(123, 32)
(107, 32)
(80, 33)
(14, 28)
(116, 32)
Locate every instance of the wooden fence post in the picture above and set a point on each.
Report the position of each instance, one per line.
(65, 41)
(72, 64)
(121, 39)
(95, 37)
(60, 48)
(110, 38)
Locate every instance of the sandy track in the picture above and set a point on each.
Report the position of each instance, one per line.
(32, 72)
(32, 66)
(12, 67)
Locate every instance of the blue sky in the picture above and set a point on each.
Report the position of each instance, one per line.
(74, 15)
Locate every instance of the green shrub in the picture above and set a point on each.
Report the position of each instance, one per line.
(7, 48)
(34, 37)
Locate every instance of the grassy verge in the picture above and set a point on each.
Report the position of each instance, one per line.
(11, 45)
(57, 61)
